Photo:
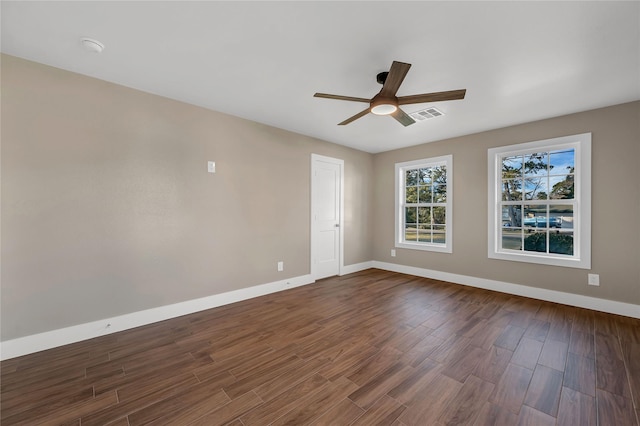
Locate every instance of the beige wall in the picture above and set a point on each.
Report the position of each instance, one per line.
(615, 205)
(108, 209)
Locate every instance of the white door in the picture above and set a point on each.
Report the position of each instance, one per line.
(326, 216)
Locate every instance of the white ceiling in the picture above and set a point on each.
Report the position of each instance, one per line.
(519, 61)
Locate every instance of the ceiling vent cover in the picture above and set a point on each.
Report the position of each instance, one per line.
(426, 114)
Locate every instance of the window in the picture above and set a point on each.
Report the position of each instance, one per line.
(423, 204)
(540, 202)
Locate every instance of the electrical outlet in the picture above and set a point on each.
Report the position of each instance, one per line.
(593, 279)
(280, 266)
(211, 166)
(393, 253)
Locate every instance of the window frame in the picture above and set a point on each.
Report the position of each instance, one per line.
(400, 198)
(581, 203)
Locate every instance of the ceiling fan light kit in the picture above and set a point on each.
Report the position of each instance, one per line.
(383, 107)
(387, 103)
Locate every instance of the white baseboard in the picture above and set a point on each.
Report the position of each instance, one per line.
(356, 267)
(64, 336)
(602, 305)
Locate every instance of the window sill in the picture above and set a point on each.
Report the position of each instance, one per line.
(425, 247)
(542, 260)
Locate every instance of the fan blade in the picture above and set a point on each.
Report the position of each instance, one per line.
(394, 79)
(450, 95)
(355, 117)
(402, 117)
(341, 98)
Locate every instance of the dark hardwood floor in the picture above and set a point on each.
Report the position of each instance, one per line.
(369, 348)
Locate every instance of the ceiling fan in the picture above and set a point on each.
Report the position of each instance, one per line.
(387, 103)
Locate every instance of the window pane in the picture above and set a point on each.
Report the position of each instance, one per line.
(424, 215)
(536, 241)
(439, 234)
(439, 175)
(425, 194)
(439, 193)
(511, 167)
(561, 242)
(512, 190)
(424, 237)
(411, 177)
(562, 187)
(412, 195)
(535, 189)
(561, 216)
(512, 216)
(439, 215)
(561, 161)
(410, 215)
(536, 164)
(410, 232)
(512, 238)
(424, 233)
(425, 176)
(535, 216)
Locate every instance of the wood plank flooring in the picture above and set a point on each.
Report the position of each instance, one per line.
(371, 348)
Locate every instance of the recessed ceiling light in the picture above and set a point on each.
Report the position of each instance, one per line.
(92, 45)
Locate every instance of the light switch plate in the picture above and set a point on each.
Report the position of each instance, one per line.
(211, 166)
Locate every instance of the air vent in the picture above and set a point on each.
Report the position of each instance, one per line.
(426, 114)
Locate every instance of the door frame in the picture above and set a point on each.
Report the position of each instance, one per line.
(340, 163)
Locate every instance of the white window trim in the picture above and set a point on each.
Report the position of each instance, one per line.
(582, 230)
(447, 161)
